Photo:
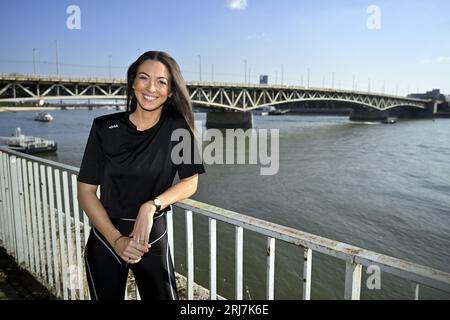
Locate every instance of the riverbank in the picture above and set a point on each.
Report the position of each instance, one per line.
(18, 109)
(17, 284)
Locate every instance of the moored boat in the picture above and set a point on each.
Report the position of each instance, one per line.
(43, 117)
(276, 112)
(29, 144)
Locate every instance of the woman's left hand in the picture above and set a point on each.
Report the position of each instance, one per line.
(143, 224)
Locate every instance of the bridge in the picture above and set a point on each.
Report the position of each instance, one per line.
(232, 102)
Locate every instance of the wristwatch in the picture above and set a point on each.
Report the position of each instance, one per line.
(157, 203)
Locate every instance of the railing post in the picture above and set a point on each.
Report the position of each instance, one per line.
(16, 210)
(138, 295)
(78, 247)
(33, 219)
(212, 259)
(62, 244)
(40, 228)
(2, 202)
(55, 252)
(46, 225)
(169, 222)
(239, 262)
(307, 268)
(11, 247)
(352, 281)
(2, 205)
(22, 220)
(68, 229)
(270, 269)
(190, 255)
(415, 290)
(29, 235)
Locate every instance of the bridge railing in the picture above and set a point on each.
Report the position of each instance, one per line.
(54, 78)
(43, 228)
(16, 79)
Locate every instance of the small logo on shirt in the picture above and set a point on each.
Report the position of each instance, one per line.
(113, 126)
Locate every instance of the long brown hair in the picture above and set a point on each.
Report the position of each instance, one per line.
(178, 102)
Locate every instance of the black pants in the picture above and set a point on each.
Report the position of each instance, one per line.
(107, 273)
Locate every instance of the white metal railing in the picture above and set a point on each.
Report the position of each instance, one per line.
(40, 227)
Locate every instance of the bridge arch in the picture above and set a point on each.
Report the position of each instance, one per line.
(350, 102)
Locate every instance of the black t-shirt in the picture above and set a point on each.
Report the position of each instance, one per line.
(133, 166)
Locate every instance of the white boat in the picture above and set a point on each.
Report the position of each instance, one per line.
(44, 117)
(28, 144)
(277, 112)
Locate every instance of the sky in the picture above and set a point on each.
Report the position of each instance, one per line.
(392, 46)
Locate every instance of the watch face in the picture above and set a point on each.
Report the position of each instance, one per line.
(157, 202)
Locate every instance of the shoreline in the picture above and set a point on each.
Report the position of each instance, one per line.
(18, 109)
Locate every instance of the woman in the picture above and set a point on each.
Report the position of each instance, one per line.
(129, 154)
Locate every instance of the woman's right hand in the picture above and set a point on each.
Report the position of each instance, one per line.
(129, 250)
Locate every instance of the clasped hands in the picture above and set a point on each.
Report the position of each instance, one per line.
(131, 248)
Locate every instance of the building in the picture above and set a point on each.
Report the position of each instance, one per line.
(434, 94)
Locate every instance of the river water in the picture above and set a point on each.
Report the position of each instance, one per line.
(381, 187)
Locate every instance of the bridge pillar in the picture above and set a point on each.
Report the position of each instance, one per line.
(229, 119)
(431, 108)
(368, 115)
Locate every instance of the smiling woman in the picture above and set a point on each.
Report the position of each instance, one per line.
(157, 76)
(151, 89)
(129, 155)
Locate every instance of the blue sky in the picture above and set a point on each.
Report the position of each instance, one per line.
(410, 50)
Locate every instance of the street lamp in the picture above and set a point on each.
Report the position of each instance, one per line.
(200, 66)
(109, 66)
(57, 62)
(34, 61)
(307, 82)
(245, 70)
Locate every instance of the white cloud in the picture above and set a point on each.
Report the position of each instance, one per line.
(237, 4)
(259, 37)
(436, 60)
(442, 59)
